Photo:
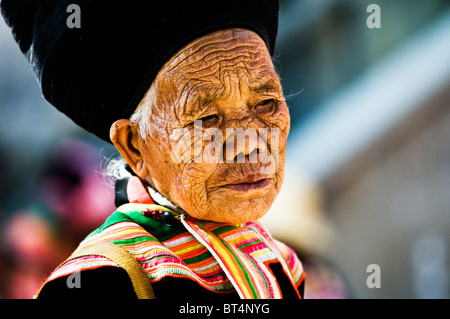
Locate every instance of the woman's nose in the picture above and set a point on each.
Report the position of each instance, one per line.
(241, 143)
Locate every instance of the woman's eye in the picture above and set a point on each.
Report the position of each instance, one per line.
(265, 107)
(208, 121)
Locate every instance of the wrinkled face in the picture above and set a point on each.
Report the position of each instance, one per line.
(218, 129)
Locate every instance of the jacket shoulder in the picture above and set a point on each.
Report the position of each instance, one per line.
(292, 260)
(105, 282)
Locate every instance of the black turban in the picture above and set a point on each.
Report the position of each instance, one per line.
(99, 73)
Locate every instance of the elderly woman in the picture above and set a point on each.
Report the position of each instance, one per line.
(187, 92)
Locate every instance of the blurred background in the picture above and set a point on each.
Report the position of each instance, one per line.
(368, 163)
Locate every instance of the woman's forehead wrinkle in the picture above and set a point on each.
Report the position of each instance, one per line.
(192, 54)
(194, 93)
(205, 51)
(217, 62)
(184, 56)
(237, 51)
(187, 107)
(212, 68)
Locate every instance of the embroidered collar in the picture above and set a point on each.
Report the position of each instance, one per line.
(242, 251)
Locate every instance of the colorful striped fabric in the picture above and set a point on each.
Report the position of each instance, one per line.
(220, 257)
(244, 254)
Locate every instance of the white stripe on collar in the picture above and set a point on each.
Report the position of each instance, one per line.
(161, 200)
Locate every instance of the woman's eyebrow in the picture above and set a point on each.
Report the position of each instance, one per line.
(205, 98)
(269, 85)
(198, 100)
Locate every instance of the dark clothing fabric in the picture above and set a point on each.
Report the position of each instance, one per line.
(98, 283)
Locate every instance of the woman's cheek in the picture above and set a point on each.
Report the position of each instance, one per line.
(281, 120)
(181, 142)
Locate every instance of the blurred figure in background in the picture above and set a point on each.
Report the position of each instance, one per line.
(71, 198)
(298, 218)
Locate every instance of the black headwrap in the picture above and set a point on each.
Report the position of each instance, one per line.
(98, 73)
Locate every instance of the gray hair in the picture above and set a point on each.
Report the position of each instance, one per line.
(115, 168)
(141, 115)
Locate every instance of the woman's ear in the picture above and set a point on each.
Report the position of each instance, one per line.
(125, 137)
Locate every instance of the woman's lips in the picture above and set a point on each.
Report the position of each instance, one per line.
(249, 186)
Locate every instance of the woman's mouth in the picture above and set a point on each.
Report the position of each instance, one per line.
(249, 186)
